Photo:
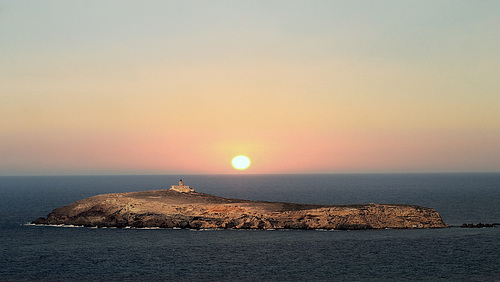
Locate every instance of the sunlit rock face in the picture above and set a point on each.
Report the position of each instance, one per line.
(174, 209)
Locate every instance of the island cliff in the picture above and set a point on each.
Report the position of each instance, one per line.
(189, 209)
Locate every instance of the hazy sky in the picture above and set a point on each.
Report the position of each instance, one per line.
(166, 87)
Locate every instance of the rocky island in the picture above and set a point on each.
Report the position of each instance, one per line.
(182, 207)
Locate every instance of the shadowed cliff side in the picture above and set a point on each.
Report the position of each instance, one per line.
(173, 209)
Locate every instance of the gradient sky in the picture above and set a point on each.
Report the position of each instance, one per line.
(168, 87)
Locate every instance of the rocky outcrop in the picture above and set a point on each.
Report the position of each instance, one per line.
(479, 225)
(172, 209)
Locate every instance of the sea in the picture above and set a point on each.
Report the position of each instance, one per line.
(70, 253)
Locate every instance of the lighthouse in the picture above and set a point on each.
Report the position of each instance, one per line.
(182, 188)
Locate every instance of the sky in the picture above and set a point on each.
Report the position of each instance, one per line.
(180, 87)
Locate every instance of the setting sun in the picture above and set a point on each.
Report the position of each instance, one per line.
(241, 162)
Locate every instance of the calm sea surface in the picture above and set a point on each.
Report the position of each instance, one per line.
(74, 253)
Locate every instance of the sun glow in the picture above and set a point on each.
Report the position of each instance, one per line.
(241, 162)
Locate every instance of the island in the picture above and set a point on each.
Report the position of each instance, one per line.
(182, 207)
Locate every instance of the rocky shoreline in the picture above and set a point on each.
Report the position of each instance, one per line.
(174, 209)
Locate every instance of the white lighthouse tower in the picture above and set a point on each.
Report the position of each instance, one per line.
(182, 188)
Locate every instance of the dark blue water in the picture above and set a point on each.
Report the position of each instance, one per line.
(64, 253)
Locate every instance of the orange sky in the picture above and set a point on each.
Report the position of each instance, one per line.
(325, 87)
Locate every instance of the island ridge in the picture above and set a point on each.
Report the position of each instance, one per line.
(182, 207)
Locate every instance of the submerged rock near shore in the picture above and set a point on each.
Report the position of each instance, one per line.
(188, 209)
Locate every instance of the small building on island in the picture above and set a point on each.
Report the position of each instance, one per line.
(182, 188)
